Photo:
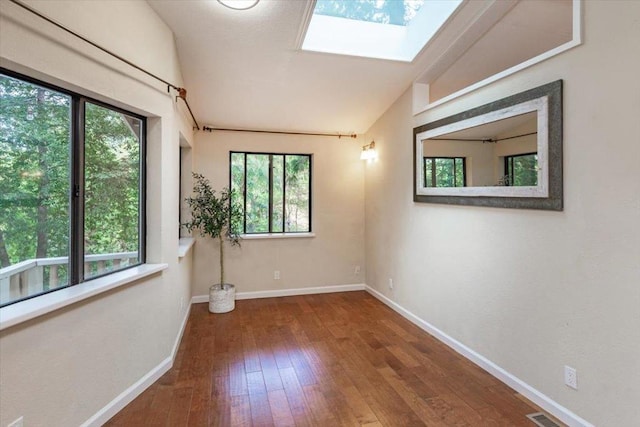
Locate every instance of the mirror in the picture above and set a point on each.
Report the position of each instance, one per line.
(504, 154)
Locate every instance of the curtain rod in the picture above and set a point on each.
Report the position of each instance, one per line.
(338, 135)
(483, 140)
(182, 92)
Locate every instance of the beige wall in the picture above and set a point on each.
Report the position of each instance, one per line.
(533, 291)
(327, 259)
(60, 369)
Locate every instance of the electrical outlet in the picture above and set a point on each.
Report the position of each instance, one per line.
(390, 283)
(276, 275)
(571, 377)
(16, 423)
(181, 304)
(356, 270)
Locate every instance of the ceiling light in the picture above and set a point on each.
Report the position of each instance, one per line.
(239, 4)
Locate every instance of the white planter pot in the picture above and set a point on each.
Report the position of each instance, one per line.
(222, 299)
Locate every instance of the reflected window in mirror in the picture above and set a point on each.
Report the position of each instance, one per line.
(521, 170)
(444, 172)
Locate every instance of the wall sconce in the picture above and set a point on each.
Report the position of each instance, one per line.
(369, 151)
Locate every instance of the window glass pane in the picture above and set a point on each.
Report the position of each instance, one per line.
(277, 208)
(524, 170)
(35, 135)
(257, 188)
(237, 180)
(297, 195)
(428, 172)
(444, 173)
(459, 172)
(112, 190)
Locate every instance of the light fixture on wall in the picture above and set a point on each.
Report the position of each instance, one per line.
(239, 4)
(369, 151)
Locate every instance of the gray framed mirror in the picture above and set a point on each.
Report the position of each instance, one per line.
(507, 153)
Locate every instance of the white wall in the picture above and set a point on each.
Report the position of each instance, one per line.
(533, 291)
(329, 258)
(61, 368)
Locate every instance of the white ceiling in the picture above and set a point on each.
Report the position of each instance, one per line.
(243, 69)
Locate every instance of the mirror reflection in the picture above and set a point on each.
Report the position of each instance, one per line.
(507, 153)
(500, 153)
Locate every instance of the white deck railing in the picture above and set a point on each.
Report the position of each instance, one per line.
(35, 276)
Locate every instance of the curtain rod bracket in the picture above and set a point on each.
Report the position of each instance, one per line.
(108, 52)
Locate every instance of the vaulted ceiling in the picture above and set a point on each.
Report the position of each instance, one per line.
(244, 69)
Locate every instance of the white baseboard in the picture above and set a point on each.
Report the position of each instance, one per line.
(176, 344)
(199, 299)
(546, 403)
(287, 292)
(124, 398)
(127, 396)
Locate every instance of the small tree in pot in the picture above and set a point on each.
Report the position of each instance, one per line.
(218, 217)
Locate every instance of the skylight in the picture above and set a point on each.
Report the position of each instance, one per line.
(385, 29)
(396, 12)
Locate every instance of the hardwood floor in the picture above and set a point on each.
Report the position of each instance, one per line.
(340, 359)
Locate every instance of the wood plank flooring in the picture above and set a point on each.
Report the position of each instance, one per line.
(341, 359)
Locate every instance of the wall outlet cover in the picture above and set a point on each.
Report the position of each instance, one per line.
(571, 377)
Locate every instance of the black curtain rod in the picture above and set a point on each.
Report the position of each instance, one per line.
(338, 135)
(182, 92)
(483, 140)
(517, 136)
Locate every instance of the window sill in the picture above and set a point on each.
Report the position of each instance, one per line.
(30, 309)
(277, 236)
(184, 246)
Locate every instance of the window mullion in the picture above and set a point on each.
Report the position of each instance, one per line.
(270, 207)
(284, 192)
(76, 254)
(244, 195)
(142, 198)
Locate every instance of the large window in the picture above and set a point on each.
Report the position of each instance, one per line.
(521, 170)
(444, 172)
(71, 193)
(274, 191)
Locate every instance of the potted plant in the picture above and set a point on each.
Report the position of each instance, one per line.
(218, 217)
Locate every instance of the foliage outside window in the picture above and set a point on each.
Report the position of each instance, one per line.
(392, 12)
(274, 191)
(70, 189)
(521, 170)
(444, 172)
